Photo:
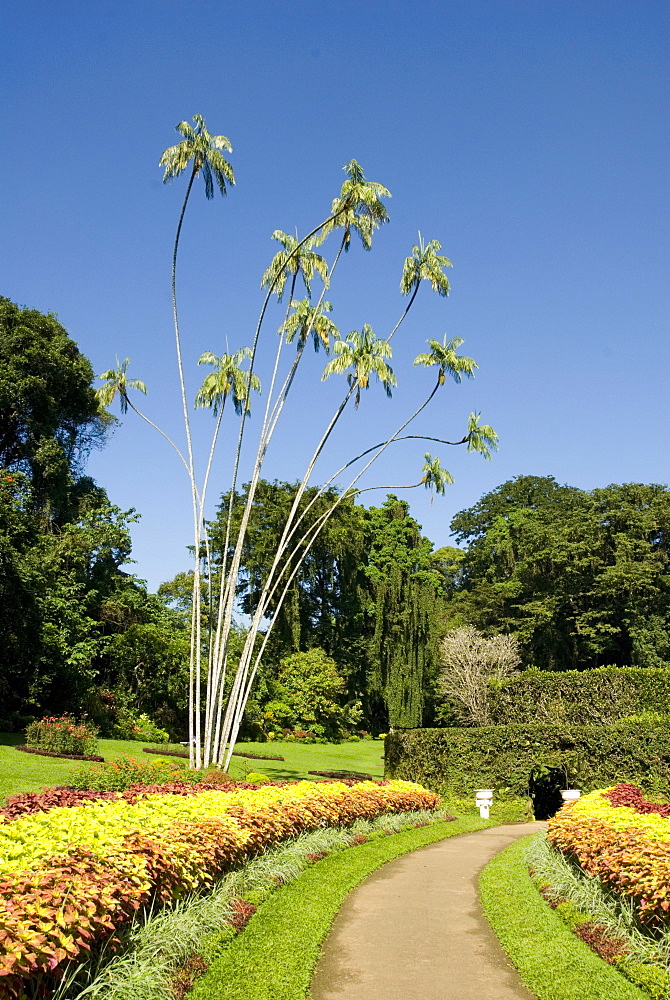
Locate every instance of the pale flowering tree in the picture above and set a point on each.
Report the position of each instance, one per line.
(471, 661)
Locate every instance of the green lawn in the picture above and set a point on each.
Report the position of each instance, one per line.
(22, 772)
(364, 757)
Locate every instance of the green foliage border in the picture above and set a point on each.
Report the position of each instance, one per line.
(550, 959)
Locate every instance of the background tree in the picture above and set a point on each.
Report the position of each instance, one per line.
(369, 593)
(49, 413)
(324, 601)
(581, 577)
(65, 602)
(311, 686)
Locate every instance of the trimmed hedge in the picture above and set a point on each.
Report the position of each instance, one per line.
(458, 761)
(580, 697)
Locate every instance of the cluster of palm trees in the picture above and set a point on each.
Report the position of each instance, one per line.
(214, 721)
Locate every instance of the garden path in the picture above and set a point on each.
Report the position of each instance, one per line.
(415, 929)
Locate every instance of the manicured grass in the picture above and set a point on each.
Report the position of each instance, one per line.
(364, 757)
(27, 772)
(552, 961)
(23, 772)
(275, 957)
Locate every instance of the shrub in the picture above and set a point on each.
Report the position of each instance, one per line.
(256, 778)
(117, 775)
(458, 761)
(62, 735)
(312, 690)
(130, 726)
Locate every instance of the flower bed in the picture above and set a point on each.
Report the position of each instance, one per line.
(73, 876)
(63, 735)
(624, 841)
(63, 756)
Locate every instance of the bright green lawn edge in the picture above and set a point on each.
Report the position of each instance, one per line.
(274, 958)
(551, 960)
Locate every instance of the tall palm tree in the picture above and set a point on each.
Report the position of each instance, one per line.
(433, 476)
(117, 383)
(227, 379)
(365, 354)
(445, 357)
(203, 152)
(306, 319)
(294, 259)
(359, 206)
(425, 264)
(480, 437)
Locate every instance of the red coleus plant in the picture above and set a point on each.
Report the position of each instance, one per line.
(632, 797)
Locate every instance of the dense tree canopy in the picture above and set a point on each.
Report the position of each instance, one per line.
(582, 577)
(49, 414)
(65, 603)
(324, 599)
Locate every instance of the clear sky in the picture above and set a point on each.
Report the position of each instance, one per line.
(529, 137)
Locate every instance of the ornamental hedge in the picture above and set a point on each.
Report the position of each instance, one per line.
(580, 697)
(458, 761)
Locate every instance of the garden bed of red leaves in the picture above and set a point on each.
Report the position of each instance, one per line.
(236, 753)
(78, 901)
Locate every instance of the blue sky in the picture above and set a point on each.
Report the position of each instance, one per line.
(529, 138)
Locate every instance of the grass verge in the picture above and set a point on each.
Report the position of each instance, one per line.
(274, 958)
(553, 963)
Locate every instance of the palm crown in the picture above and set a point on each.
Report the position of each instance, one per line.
(227, 379)
(117, 381)
(444, 355)
(293, 260)
(481, 437)
(365, 354)
(434, 477)
(425, 263)
(359, 206)
(306, 319)
(205, 152)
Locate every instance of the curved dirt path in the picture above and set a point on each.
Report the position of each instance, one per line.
(415, 930)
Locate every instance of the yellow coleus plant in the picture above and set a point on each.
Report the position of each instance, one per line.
(619, 818)
(103, 826)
